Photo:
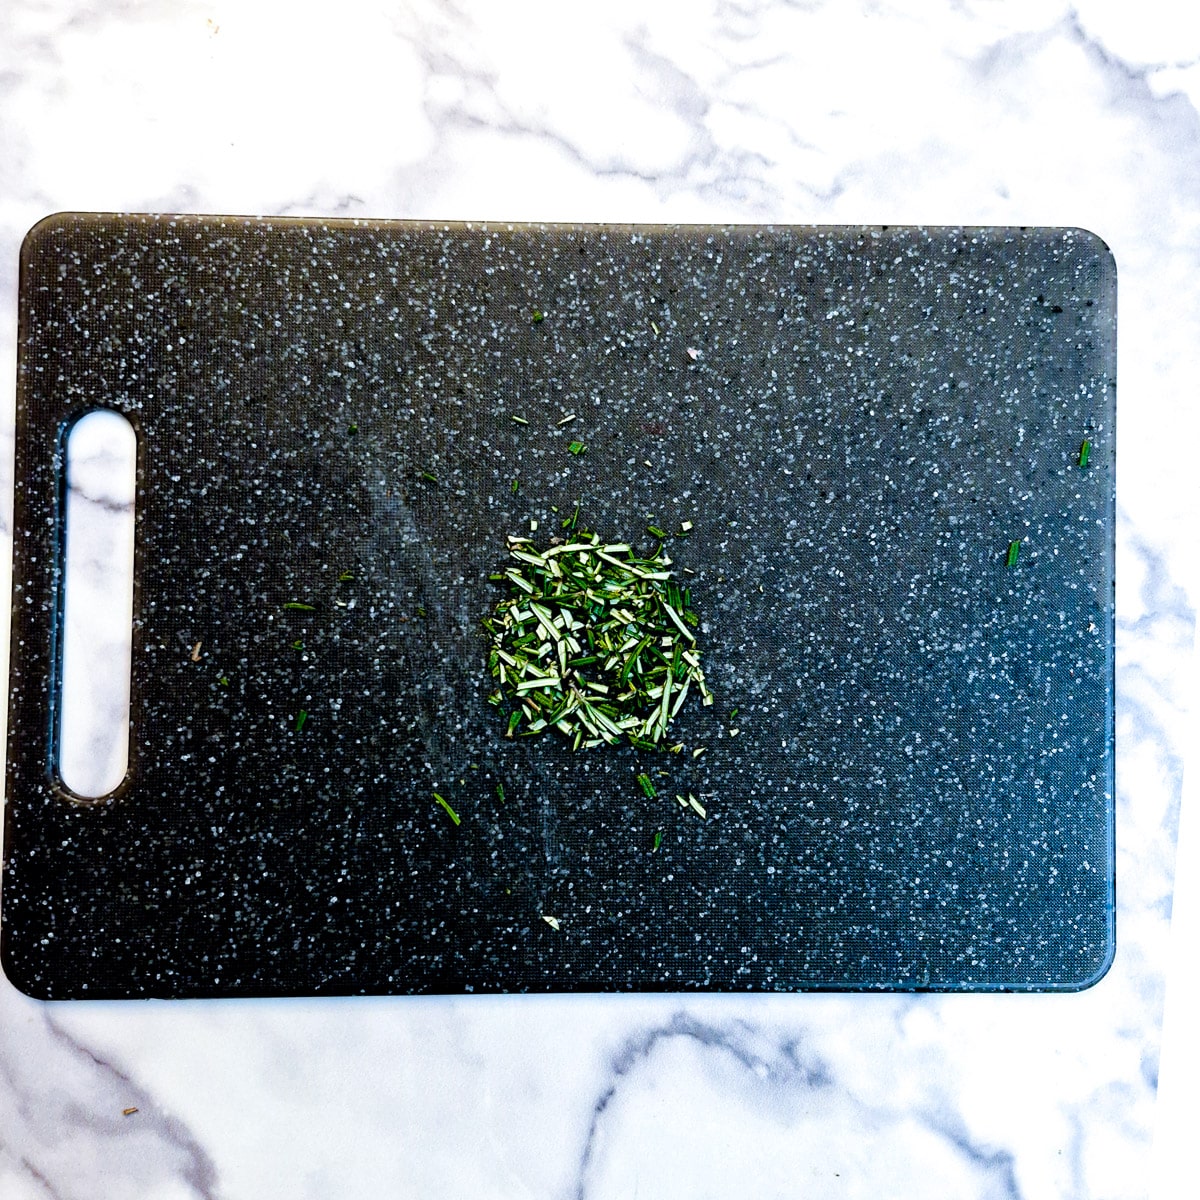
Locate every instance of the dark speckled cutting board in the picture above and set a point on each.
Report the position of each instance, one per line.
(858, 421)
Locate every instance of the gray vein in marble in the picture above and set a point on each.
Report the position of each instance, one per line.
(63, 1127)
(788, 1088)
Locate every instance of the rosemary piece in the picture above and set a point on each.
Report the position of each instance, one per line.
(592, 641)
(1085, 452)
(1014, 548)
(449, 811)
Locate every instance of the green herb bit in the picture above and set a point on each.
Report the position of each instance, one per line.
(647, 786)
(298, 644)
(538, 316)
(519, 420)
(553, 922)
(685, 527)
(301, 717)
(345, 577)
(577, 448)
(516, 486)
(1014, 548)
(429, 476)
(500, 792)
(1085, 452)
(658, 836)
(568, 418)
(449, 811)
(224, 681)
(352, 429)
(655, 328)
(654, 531)
(733, 712)
(298, 606)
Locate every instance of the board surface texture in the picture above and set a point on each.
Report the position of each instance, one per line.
(857, 421)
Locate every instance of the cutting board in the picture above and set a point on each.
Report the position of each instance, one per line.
(901, 559)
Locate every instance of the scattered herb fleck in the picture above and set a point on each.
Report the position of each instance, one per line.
(429, 476)
(299, 606)
(301, 717)
(224, 681)
(298, 644)
(538, 316)
(658, 836)
(647, 786)
(519, 420)
(516, 486)
(1085, 452)
(654, 531)
(577, 448)
(568, 418)
(553, 922)
(345, 577)
(352, 429)
(1014, 548)
(500, 792)
(449, 811)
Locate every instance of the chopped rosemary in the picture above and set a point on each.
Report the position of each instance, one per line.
(577, 448)
(516, 486)
(1085, 452)
(300, 607)
(658, 836)
(301, 717)
(647, 786)
(429, 476)
(351, 429)
(538, 316)
(654, 531)
(500, 792)
(592, 641)
(519, 420)
(449, 811)
(1014, 548)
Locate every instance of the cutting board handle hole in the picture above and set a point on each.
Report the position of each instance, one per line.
(97, 604)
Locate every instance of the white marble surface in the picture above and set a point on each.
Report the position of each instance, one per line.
(963, 111)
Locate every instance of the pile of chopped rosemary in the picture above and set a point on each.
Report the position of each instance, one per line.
(592, 641)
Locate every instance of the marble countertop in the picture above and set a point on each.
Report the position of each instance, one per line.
(967, 112)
